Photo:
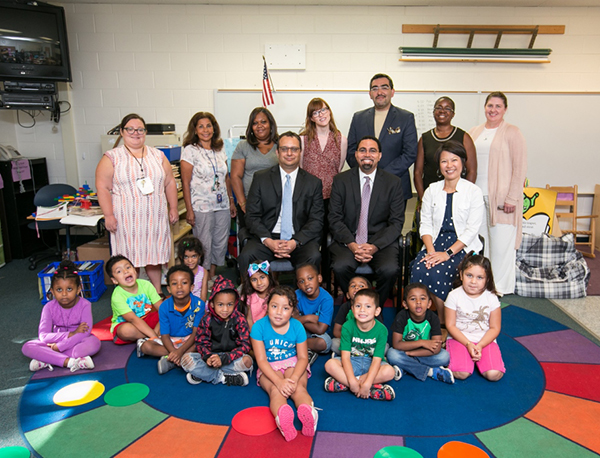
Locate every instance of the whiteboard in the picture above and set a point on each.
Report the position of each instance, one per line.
(560, 128)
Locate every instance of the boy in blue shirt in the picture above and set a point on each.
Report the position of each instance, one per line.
(417, 338)
(315, 310)
(179, 316)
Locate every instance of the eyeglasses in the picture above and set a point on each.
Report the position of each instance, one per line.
(285, 149)
(441, 108)
(133, 130)
(320, 112)
(384, 87)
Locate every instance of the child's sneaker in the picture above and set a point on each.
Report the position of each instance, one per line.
(382, 393)
(164, 365)
(80, 363)
(443, 374)
(36, 365)
(285, 422)
(192, 379)
(309, 418)
(397, 373)
(333, 386)
(139, 344)
(312, 357)
(239, 379)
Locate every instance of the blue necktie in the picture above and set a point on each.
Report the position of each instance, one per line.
(286, 210)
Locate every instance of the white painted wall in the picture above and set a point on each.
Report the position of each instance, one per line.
(165, 61)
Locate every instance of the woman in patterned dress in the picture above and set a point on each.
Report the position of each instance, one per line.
(323, 145)
(206, 188)
(134, 184)
(451, 213)
(323, 153)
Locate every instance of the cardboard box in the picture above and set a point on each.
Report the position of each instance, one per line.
(98, 249)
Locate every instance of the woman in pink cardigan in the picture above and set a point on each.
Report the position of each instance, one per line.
(501, 172)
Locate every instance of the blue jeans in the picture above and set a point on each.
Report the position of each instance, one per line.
(417, 365)
(203, 371)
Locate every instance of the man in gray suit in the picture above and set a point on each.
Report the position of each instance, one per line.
(393, 126)
(366, 215)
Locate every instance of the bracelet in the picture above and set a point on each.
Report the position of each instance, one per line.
(242, 204)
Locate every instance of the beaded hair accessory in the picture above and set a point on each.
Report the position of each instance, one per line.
(263, 266)
(66, 270)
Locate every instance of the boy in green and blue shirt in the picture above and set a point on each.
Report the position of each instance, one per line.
(417, 338)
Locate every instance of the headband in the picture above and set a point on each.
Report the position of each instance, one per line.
(263, 266)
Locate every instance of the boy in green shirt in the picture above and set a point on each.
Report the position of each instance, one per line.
(362, 368)
(134, 304)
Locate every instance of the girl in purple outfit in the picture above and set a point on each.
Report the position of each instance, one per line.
(65, 326)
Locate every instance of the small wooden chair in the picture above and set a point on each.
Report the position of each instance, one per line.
(567, 198)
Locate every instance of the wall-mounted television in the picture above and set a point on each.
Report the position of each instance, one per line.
(33, 42)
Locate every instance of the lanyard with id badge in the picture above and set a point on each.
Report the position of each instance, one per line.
(144, 184)
(216, 187)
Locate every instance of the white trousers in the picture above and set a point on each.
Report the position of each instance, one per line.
(500, 249)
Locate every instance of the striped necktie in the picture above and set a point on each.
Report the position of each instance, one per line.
(362, 233)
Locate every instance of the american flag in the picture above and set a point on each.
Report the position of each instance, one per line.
(267, 94)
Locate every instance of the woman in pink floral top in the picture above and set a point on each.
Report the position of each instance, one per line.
(323, 151)
(323, 145)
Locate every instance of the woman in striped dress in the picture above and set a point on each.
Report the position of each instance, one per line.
(134, 183)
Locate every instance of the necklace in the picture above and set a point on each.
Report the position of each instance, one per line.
(439, 139)
(140, 163)
(489, 133)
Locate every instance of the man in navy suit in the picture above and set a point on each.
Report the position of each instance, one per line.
(271, 237)
(393, 126)
(366, 215)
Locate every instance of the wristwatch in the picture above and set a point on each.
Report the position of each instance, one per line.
(449, 252)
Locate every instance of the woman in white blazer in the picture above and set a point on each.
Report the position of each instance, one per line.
(451, 213)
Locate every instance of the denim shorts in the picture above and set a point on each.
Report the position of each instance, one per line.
(326, 337)
(361, 364)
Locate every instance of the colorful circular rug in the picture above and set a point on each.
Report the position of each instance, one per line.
(547, 405)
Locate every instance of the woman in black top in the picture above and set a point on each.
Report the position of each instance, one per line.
(426, 168)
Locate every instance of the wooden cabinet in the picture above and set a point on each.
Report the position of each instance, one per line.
(16, 204)
(180, 229)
